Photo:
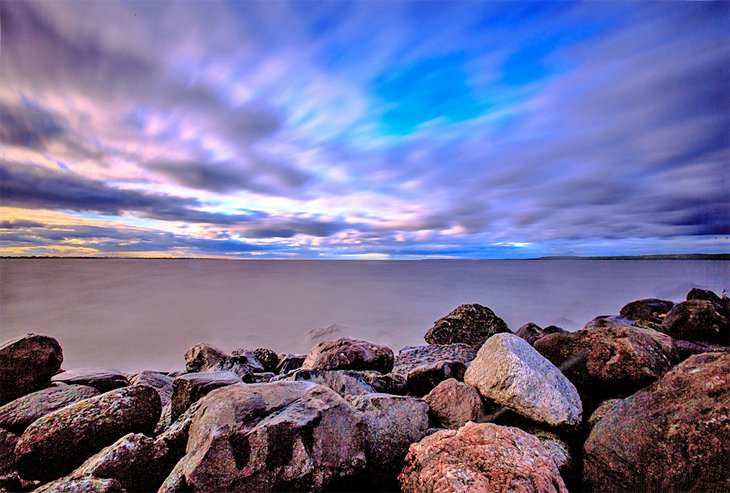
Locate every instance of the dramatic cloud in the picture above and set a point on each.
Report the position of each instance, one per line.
(333, 129)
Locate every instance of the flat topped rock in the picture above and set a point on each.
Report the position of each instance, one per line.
(349, 354)
(190, 387)
(156, 379)
(27, 364)
(468, 324)
(344, 382)
(510, 372)
(480, 458)
(423, 367)
(104, 379)
(17, 415)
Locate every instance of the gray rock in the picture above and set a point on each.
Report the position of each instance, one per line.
(190, 387)
(349, 354)
(343, 382)
(157, 380)
(103, 379)
(468, 324)
(82, 485)
(27, 364)
(272, 437)
(264, 377)
(392, 423)
(510, 372)
(17, 415)
(423, 367)
(289, 362)
(59, 442)
(455, 403)
(386, 383)
(608, 321)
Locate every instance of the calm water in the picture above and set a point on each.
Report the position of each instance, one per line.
(144, 314)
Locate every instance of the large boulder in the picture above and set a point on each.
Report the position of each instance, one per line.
(510, 372)
(530, 332)
(82, 485)
(203, 357)
(646, 312)
(103, 379)
(698, 320)
(423, 367)
(59, 442)
(392, 424)
(160, 381)
(609, 362)
(468, 324)
(27, 364)
(190, 387)
(206, 358)
(478, 458)
(136, 461)
(17, 415)
(704, 294)
(452, 404)
(349, 354)
(673, 436)
(272, 437)
(344, 382)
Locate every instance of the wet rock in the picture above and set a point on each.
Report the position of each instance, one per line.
(480, 457)
(202, 357)
(530, 332)
(59, 442)
(136, 461)
(423, 367)
(17, 415)
(510, 372)
(698, 320)
(7, 452)
(343, 382)
(157, 380)
(454, 403)
(609, 362)
(467, 324)
(392, 423)
(272, 437)
(103, 379)
(386, 383)
(349, 354)
(289, 362)
(82, 485)
(268, 358)
(190, 387)
(672, 436)
(649, 311)
(27, 364)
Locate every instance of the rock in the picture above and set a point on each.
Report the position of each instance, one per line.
(386, 383)
(203, 357)
(606, 321)
(103, 379)
(349, 354)
(175, 482)
(704, 294)
(392, 423)
(190, 387)
(245, 359)
(27, 364)
(510, 372)
(601, 411)
(7, 452)
(698, 320)
(175, 437)
(82, 485)
(454, 403)
(423, 367)
(17, 415)
(559, 450)
(341, 381)
(137, 462)
(289, 362)
(157, 380)
(649, 311)
(272, 437)
(609, 362)
(553, 329)
(478, 458)
(268, 358)
(60, 441)
(530, 332)
(672, 436)
(264, 377)
(468, 324)
(685, 349)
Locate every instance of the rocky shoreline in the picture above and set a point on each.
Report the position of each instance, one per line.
(634, 402)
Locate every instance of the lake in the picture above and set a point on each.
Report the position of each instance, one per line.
(134, 314)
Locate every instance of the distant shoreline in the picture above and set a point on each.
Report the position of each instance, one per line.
(691, 256)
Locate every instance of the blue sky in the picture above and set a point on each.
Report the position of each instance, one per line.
(375, 129)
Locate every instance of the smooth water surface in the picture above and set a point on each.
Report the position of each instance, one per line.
(143, 314)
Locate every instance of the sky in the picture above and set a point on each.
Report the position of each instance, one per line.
(364, 130)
